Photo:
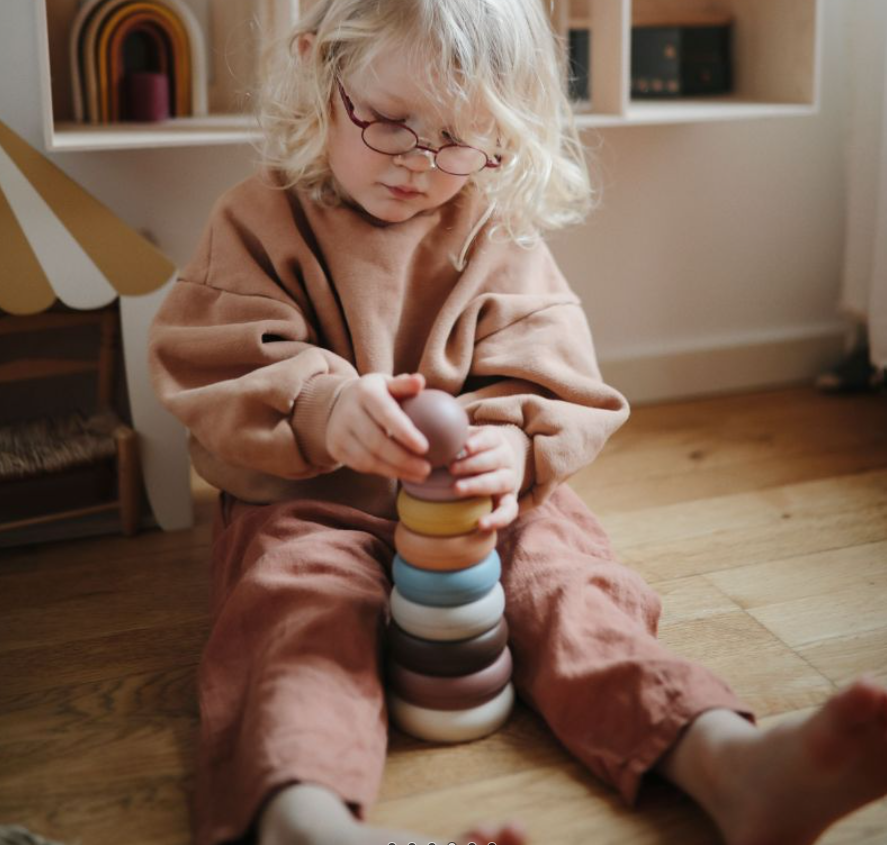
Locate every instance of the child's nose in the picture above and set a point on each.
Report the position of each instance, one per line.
(417, 160)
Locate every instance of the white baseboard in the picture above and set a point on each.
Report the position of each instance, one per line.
(725, 365)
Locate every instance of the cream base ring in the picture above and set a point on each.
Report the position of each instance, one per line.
(442, 519)
(452, 725)
(448, 623)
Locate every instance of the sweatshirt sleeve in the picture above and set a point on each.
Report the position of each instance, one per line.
(534, 371)
(234, 355)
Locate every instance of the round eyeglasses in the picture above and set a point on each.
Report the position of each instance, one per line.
(392, 139)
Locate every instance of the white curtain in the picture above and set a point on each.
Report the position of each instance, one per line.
(864, 296)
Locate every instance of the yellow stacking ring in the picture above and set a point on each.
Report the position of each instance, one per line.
(443, 553)
(442, 519)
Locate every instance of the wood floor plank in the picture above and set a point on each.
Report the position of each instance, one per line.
(691, 599)
(97, 752)
(841, 659)
(608, 495)
(710, 447)
(103, 597)
(558, 805)
(151, 812)
(136, 698)
(721, 533)
(415, 767)
(32, 670)
(807, 599)
(765, 673)
(854, 568)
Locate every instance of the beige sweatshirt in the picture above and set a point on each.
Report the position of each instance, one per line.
(286, 301)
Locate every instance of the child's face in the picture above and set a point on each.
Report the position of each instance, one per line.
(391, 188)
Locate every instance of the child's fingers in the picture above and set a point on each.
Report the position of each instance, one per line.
(353, 453)
(376, 454)
(389, 416)
(487, 484)
(488, 460)
(503, 514)
(405, 385)
(389, 451)
(481, 438)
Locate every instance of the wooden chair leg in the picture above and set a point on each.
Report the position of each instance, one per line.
(129, 479)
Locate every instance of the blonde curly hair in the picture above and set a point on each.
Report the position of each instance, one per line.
(500, 57)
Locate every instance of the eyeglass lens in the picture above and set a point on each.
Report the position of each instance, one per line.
(392, 139)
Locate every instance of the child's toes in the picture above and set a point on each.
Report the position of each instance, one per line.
(479, 835)
(485, 834)
(512, 834)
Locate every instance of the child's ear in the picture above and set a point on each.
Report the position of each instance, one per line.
(305, 44)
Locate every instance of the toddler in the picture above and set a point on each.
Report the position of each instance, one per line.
(414, 150)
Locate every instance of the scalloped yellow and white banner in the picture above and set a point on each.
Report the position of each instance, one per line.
(61, 242)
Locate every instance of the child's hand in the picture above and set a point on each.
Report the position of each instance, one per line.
(491, 464)
(369, 432)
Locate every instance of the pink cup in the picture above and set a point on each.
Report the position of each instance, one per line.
(147, 97)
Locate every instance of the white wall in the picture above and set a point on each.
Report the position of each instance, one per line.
(713, 263)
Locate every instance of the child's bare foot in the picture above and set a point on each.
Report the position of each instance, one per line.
(305, 814)
(787, 784)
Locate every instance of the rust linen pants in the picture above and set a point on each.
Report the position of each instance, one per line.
(290, 680)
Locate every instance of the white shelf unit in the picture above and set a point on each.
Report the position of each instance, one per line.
(775, 46)
(776, 56)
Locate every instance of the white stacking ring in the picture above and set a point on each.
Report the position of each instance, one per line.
(448, 623)
(452, 725)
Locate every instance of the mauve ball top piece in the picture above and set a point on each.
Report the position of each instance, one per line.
(442, 420)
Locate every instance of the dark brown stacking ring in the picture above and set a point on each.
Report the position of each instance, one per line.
(447, 659)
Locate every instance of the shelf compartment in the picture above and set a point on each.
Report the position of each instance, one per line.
(776, 55)
(233, 31)
(775, 45)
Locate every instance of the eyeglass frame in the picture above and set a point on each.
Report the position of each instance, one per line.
(494, 162)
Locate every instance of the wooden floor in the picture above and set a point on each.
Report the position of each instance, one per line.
(761, 519)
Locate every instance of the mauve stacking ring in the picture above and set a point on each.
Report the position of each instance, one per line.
(437, 487)
(454, 693)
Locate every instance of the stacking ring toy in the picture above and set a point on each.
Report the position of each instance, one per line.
(446, 659)
(458, 693)
(452, 725)
(437, 487)
(443, 553)
(446, 589)
(448, 623)
(442, 519)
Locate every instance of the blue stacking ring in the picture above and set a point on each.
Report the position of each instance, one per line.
(447, 589)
